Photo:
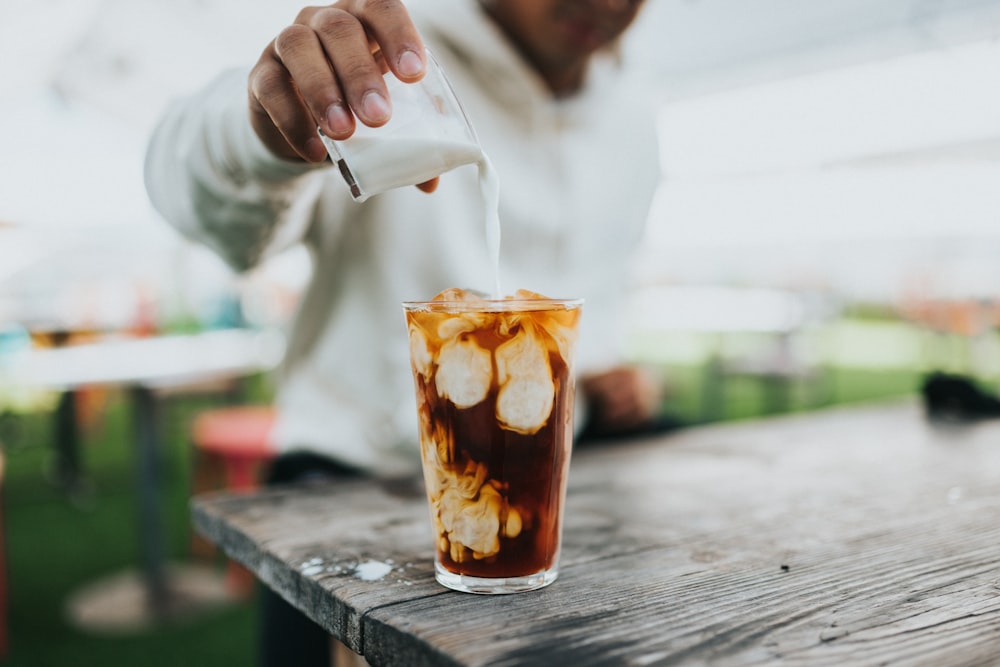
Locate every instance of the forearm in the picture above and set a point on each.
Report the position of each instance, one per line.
(210, 177)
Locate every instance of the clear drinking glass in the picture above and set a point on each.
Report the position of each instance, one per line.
(494, 385)
(427, 135)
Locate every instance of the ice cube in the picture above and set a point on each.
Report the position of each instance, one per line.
(525, 295)
(522, 356)
(565, 339)
(474, 524)
(460, 295)
(420, 353)
(464, 372)
(527, 392)
(524, 405)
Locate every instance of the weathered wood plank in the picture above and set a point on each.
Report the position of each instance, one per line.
(323, 553)
(673, 553)
(912, 594)
(334, 553)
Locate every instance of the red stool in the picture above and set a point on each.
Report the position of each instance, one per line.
(239, 440)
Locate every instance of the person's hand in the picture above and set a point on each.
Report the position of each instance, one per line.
(621, 400)
(326, 70)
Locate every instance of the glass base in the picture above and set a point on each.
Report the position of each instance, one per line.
(494, 585)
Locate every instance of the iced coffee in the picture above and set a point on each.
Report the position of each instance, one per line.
(494, 387)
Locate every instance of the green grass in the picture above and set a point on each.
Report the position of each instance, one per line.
(746, 398)
(54, 546)
(854, 359)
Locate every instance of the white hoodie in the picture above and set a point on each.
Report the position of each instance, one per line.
(577, 178)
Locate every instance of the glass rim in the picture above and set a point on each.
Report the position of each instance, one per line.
(492, 305)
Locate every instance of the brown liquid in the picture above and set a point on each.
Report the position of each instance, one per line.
(513, 481)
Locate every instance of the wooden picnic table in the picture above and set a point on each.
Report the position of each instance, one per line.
(857, 536)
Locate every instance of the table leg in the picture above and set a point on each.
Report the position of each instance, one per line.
(713, 381)
(133, 601)
(150, 516)
(67, 471)
(67, 464)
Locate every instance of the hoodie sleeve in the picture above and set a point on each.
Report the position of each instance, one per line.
(209, 175)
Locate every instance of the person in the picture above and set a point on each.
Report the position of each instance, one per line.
(239, 166)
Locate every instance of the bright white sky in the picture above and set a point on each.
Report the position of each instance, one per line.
(849, 176)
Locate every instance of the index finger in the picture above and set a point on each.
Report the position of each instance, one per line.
(389, 25)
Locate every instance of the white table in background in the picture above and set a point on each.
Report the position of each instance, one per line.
(143, 366)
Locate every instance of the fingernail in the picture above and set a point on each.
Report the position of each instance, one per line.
(338, 119)
(375, 106)
(410, 64)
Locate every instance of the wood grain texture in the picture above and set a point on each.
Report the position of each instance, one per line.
(850, 536)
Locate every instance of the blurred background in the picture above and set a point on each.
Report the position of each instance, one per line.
(827, 231)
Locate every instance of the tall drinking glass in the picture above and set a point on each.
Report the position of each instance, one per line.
(494, 385)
